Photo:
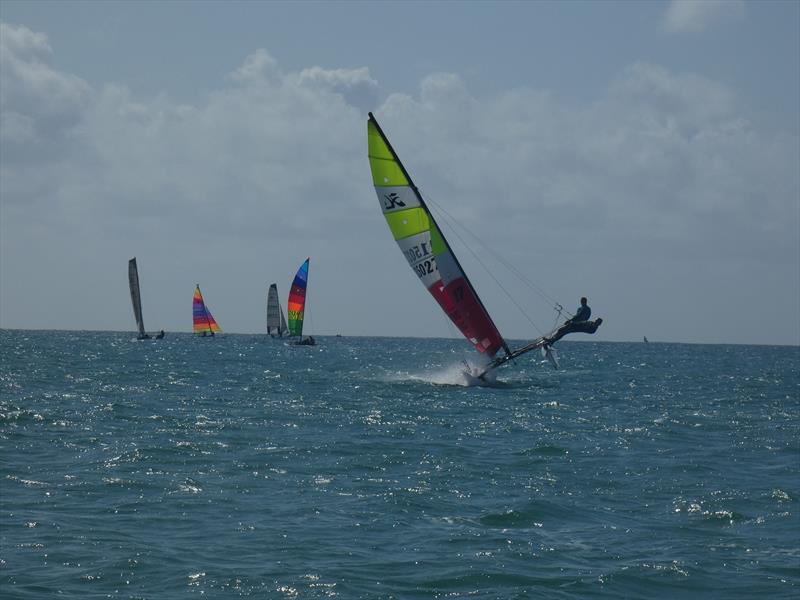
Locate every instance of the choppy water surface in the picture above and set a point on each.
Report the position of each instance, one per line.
(359, 468)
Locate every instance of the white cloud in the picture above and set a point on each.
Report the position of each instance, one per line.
(355, 85)
(693, 16)
(661, 177)
(661, 157)
(256, 67)
(42, 108)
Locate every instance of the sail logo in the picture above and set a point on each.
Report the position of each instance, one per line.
(392, 200)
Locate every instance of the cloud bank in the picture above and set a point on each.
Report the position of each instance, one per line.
(660, 196)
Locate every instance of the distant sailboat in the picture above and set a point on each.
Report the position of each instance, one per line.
(136, 298)
(297, 305)
(646, 341)
(203, 323)
(433, 260)
(276, 322)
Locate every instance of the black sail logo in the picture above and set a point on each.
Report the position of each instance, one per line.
(391, 201)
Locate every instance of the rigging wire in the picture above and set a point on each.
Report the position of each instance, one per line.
(501, 260)
(310, 314)
(500, 285)
(453, 222)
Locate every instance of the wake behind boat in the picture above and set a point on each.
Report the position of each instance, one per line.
(431, 257)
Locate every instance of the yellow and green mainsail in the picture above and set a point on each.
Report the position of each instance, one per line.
(425, 248)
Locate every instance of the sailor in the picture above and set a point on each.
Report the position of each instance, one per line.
(584, 312)
(579, 323)
(160, 335)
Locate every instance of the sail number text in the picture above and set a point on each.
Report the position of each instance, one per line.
(425, 267)
(417, 253)
(421, 258)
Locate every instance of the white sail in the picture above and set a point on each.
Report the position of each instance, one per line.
(276, 321)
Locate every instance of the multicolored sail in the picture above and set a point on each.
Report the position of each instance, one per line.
(426, 249)
(276, 322)
(136, 298)
(297, 300)
(203, 323)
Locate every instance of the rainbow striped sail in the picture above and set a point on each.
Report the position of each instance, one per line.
(297, 300)
(426, 249)
(203, 323)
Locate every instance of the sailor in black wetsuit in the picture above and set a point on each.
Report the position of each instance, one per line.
(579, 323)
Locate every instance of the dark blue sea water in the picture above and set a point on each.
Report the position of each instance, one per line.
(359, 468)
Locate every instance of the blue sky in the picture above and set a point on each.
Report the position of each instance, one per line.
(643, 154)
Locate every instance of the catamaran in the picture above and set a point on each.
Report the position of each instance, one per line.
(136, 298)
(430, 256)
(276, 322)
(203, 324)
(296, 306)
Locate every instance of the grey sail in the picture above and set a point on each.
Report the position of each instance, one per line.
(276, 321)
(136, 298)
(284, 327)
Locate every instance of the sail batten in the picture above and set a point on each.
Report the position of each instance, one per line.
(136, 298)
(425, 247)
(202, 321)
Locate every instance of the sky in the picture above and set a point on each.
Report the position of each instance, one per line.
(643, 154)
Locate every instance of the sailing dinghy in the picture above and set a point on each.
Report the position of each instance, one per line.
(276, 322)
(296, 306)
(203, 324)
(136, 298)
(430, 256)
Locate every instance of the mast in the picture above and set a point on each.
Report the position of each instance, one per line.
(282, 328)
(424, 205)
(305, 298)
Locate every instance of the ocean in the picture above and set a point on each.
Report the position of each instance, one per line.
(241, 466)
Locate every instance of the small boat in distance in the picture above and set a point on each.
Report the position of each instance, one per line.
(646, 341)
(276, 322)
(136, 298)
(203, 324)
(296, 306)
